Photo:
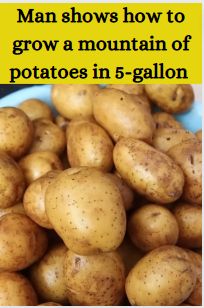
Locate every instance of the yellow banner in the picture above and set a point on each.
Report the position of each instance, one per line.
(101, 43)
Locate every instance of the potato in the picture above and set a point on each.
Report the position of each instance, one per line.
(89, 145)
(37, 164)
(166, 138)
(199, 135)
(12, 183)
(196, 296)
(126, 192)
(165, 120)
(136, 89)
(36, 109)
(163, 277)
(86, 210)
(74, 100)
(47, 137)
(150, 172)
(16, 290)
(94, 280)
(22, 242)
(34, 199)
(189, 218)
(172, 98)
(129, 254)
(117, 112)
(152, 226)
(188, 155)
(16, 131)
(16, 208)
(47, 275)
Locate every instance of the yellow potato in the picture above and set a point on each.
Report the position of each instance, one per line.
(126, 192)
(16, 131)
(34, 199)
(151, 173)
(47, 137)
(165, 120)
(88, 144)
(166, 138)
(74, 100)
(47, 275)
(96, 280)
(117, 112)
(196, 296)
(12, 183)
(86, 210)
(22, 242)
(16, 208)
(16, 290)
(152, 226)
(163, 277)
(188, 155)
(37, 164)
(199, 134)
(189, 218)
(172, 98)
(36, 109)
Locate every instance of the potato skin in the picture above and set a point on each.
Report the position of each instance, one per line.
(47, 137)
(152, 226)
(117, 112)
(22, 242)
(12, 182)
(49, 304)
(150, 172)
(196, 296)
(37, 164)
(199, 135)
(16, 131)
(36, 109)
(165, 120)
(16, 208)
(163, 277)
(77, 206)
(34, 199)
(188, 155)
(189, 218)
(135, 89)
(74, 100)
(172, 98)
(16, 290)
(47, 275)
(166, 138)
(94, 280)
(89, 145)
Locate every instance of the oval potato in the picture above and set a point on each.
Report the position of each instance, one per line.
(36, 109)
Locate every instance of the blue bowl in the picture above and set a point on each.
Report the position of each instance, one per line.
(191, 120)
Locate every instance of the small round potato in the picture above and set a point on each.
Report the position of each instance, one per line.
(136, 89)
(166, 138)
(189, 218)
(37, 164)
(12, 183)
(22, 242)
(34, 199)
(165, 120)
(188, 155)
(151, 173)
(74, 100)
(196, 296)
(36, 109)
(17, 208)
(16, 131)
(86, 210)
(172, 98)
(96, 280)
(47, 137)
(199, 135)
(117, 112)
(16, 290)
(47, 275)
(89, 145)
(152, 226)
(163, 277)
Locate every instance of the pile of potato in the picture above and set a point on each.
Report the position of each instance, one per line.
(101, 203)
